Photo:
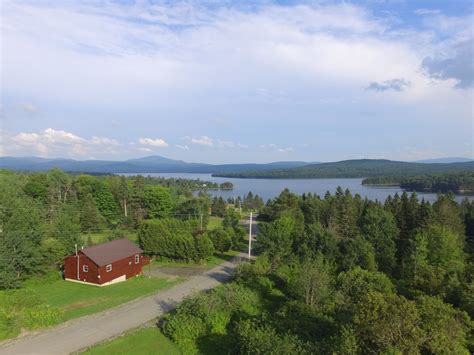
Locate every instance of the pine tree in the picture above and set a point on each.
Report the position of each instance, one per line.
(90, 218)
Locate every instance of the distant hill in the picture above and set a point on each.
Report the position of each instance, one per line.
(354, 169)
(150, 164)
(445, 160)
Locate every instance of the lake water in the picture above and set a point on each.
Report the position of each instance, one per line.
(270, 188)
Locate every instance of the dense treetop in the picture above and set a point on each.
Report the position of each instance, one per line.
(342, 275)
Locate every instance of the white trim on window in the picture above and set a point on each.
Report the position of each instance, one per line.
(137, 259)
(85, 268)
(108, 268)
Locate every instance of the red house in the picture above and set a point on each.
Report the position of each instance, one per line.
(106, 263)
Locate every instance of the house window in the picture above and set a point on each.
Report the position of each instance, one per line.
(108, 268)
(137, 259)
(85, 268)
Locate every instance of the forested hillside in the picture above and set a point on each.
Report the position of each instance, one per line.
(460, 183)
(354, 169)
(150, 164)
(342, 275)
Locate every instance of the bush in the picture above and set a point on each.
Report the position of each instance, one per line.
(204, 247)
(208, 314)
(255, 338)
(222, 240)
(183, 329)
(170, 238)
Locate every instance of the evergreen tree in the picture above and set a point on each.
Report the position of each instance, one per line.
(448, 214)
(221, 239)
(158, 201)
(137, 200)
(218, 207)
(380, 229)
(90, 218)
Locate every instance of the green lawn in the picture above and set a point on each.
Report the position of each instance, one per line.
(76, 300)
(214, 222)
(215, 260)
(49, 300)
(143, 341)
(101, 237)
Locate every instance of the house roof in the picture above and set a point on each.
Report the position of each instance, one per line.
(107, 253)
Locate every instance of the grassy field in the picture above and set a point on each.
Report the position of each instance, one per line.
(215, 260)
(76, 300)
(49, 300)
(101, 237)
(143, 341)
(214, 222)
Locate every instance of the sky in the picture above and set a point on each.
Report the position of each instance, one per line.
(229, 81)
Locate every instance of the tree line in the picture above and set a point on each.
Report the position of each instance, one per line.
(459, 183)
(44, 215)
(344, 275)
(359, 168)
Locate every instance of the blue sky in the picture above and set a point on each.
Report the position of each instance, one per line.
(237, 82)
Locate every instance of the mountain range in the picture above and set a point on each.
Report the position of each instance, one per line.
(282, 169)
(150, 164)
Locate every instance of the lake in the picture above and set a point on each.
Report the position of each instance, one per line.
(270, 188)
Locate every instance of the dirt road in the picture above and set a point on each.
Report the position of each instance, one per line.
(87, 331)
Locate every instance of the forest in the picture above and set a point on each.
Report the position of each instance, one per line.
(359, 168)
(459, 183)
(343, 275)
(44, 215)
(333, 274)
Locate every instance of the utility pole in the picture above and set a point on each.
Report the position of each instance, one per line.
(77, 257)
(201, 221)
(250, 235)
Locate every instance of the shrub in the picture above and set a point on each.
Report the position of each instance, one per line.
(255, 338)
(208, 314)
(221, 238)
(170, 238)
(183, 329)
(204, 247)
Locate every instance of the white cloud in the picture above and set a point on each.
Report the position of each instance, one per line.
(29, 107)
(53, 136)
(143, 149)
(214, 48)
(427, 12)
(183, 147)
(104, 140)
(297, 69)
(230, 144)
(203, 140)
(56, 143)
(158, 142)
(276, 148)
